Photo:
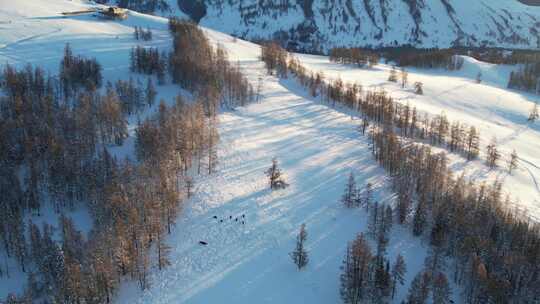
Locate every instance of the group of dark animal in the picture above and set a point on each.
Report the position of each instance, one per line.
(240, 219)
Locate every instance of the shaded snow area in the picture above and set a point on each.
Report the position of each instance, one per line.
(317, 148)
(489, 106)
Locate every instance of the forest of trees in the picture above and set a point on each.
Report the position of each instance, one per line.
(425, 58)
(501, 56)
(55, 135)
(526, 78)
(495, 259)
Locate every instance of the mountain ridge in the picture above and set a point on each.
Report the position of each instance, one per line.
(317, 25)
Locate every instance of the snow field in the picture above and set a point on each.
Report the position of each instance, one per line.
(489, 106)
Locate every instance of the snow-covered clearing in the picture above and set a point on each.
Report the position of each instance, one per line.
(317, 148)
(489, 106)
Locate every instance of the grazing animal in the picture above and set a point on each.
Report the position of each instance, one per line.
(236, 219)
(215, 216)
(230, 217)
(221, 221)
(203, 243)
(242, 222)
(243, 215)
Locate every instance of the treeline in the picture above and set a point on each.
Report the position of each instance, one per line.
(494, 251)
(77, 72)
(501, 56)
(402, 56)
(141, 34)
(526, 78)
(358, 56)
(275, 59)
(133, 97)
(380, 107)
(197, 66)
(443, 58)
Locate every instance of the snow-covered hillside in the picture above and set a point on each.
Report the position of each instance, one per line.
(489, 106)
(319, 25)
(35, 32)
(317, 146)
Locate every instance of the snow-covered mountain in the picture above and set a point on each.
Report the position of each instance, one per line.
(321, 24)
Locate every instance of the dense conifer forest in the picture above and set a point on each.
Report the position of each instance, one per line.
(56, 134)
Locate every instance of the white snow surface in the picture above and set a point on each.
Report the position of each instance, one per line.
(317, 148)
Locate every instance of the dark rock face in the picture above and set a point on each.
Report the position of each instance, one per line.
(530, 2)
(195, 9)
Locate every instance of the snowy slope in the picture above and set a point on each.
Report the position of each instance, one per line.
(241, 261)
(318, 25)
(317, 148)
(489, 106)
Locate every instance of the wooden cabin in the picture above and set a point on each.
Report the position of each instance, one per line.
(113, 12)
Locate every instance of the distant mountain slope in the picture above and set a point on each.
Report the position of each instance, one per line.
(530, 2)
(320, 24)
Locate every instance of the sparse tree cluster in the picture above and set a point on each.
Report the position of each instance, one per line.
(499, 56)
(141, 34)
(197, 66)
(77, 72)
(527, 78)
(148, 61)
(360, 57)
(367, 276)
(275, 58)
